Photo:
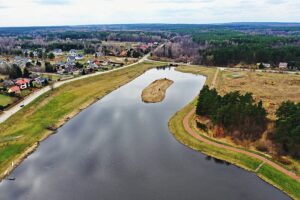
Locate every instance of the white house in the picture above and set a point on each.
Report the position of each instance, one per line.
(57, 52)
(283, 65)
(72, 52)
(79, 57)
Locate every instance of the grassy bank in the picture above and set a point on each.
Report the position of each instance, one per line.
(36, 121)
(266, 172)
(5, 100)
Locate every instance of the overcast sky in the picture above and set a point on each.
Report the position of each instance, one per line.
(79, 12)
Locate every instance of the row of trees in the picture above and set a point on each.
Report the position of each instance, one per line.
(16, 72)
(180, 49)
(238, 114)
(251, 54)
(242, 118)
(225, 47)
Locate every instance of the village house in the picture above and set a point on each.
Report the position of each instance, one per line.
(71, 59)
(57, 52)
(123, 53)
(79, 57)
(99, 54)
(21, 61)
(35, 53)
(41, 81)
(266, 65)
(283, 65)
(71, 69)
(8, 83)
(93, 66)
(143, 47)
(73, 53)
(23, 83)
(14, 89)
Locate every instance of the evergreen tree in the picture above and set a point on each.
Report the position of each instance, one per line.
(26, 73)
(15, 72)
(31, 55)
(234, 112)
(51, 56)
(287, 128)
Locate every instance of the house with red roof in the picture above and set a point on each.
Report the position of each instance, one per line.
(23, 83)
(14, 89)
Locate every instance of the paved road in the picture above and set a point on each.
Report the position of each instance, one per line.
(8, 113)
(264, 160)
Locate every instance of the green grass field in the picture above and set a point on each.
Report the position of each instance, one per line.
(5, 100)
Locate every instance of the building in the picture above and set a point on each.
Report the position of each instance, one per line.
(79, 57)
(23, 83)
(283, 65)
(266, 65)
(71, 59)
(14, 89)
(73, 52)
(8, 83)
(57, 52)
(41, 81)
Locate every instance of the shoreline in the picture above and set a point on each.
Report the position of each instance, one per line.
(184, 137)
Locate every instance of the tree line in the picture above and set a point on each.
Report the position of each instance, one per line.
(237, 114)
(242, 118)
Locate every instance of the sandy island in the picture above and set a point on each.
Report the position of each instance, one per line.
(156, 91)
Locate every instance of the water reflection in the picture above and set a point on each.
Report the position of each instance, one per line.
(121, 148)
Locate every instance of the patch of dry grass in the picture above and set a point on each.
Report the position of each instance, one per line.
(271, 88)
(156, 91)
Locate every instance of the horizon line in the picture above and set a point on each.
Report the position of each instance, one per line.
(154, 23)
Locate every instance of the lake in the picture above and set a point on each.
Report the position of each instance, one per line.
(121, 148)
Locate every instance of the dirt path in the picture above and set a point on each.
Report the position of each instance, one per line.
(213, 83)
(209, 142)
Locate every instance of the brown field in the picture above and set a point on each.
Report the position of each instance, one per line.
(156, 91)
(271, 88)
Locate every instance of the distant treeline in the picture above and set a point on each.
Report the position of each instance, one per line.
(230, 47)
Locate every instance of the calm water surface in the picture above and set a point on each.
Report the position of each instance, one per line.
(121, 148)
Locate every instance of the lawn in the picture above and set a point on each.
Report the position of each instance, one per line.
(55, 107)
(5, 100)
